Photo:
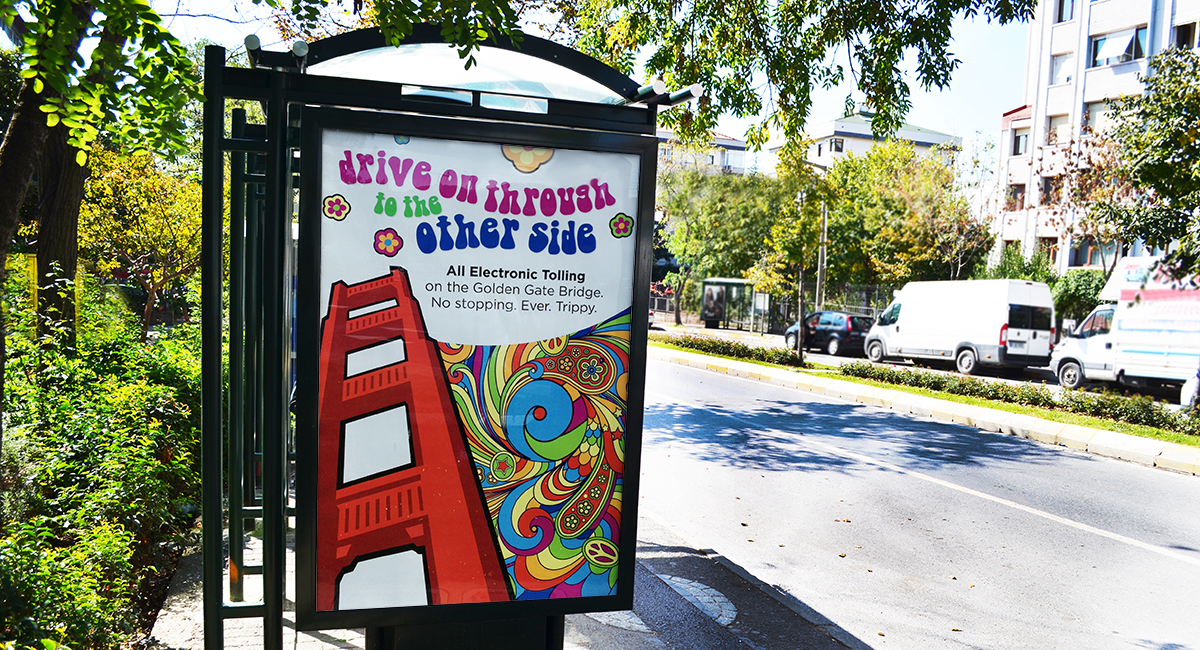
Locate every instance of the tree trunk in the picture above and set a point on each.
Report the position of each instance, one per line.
(679, 299)
(60, 187)
(148, 312)
(19, 156)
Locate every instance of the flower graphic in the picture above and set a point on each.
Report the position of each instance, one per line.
(591, 370)
(336, 207)
(400, 139)
(526, 159)
(565, 364)
(387, 242)
(621, 225)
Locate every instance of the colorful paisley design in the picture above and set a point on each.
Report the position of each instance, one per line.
(545, 423)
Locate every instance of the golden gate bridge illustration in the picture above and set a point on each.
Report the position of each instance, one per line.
(400, 518)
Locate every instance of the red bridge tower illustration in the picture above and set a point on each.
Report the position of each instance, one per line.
(400, 519)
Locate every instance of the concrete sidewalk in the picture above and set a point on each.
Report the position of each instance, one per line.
(684, 599)
(1146, 451)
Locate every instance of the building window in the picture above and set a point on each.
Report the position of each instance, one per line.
(1097, 116)
(1185, 36)
(1086, 252)
(1016, 197)
(1062, 68)
(1059, 130)
(1118, 47)
(1051, 186)
(1050, 245)
(1020, 142)
(818, 151)
(836, 145)
(1066, 11)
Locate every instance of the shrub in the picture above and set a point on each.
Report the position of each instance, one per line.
(1135, 409)
(726, 348)
(1078, 293)
(101, 454)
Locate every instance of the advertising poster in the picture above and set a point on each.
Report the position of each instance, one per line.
(474, 368)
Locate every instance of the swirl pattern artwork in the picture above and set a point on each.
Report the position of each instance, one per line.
(545, 425)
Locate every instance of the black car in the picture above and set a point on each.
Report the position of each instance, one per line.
(834, 332)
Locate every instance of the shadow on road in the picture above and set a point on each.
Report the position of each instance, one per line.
(770, 436)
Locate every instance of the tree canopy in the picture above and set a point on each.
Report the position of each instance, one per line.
(897, 216)
(757, 57)
(1158, 133)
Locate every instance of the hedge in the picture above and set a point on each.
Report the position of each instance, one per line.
(727, 348)
(1135, 409)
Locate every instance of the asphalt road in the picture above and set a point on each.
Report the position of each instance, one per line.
(907, 533)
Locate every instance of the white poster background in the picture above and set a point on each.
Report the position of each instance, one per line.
(552, 295)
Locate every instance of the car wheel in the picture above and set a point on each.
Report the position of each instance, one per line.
(833, 346)
(875, 351)
(1070, 375)
(790, 339)
(965, 361)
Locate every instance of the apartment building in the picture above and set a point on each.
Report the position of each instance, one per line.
(1079, 55)
(852, 134)
(723, 154)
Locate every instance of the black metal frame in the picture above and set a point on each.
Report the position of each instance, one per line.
(308, 344)
(260, 194)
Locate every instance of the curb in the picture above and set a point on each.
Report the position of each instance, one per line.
(1111, 444)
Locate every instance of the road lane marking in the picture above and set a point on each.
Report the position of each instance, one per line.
(944, 483)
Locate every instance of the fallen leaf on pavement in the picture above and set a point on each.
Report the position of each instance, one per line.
(841, 555)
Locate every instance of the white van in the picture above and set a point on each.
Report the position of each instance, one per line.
(1005, 323)
(1149, 337)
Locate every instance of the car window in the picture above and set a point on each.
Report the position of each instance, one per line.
(1018, 317)
(812, 320)
(891, 315)
(826, 320)
(861, 323)
(1085, 330)
(1103, 322)
(839, 321)
(1042, 318)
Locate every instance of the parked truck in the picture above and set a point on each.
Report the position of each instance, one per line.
(1145, 334)
(972, 323)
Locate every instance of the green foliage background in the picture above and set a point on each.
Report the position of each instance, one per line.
(99, 479)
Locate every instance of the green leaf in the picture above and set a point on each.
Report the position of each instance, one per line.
(38, 86)
(51, 120)
(81, 158)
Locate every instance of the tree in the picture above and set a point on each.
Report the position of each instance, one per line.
(716, 224)
(138, 219)
(1158, 136)
(1013, 265)
(1077, 293)
(899, 217)
(759, 57)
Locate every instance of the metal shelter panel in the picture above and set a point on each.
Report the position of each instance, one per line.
(248, 440)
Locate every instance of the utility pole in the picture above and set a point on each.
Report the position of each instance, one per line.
(821, 255)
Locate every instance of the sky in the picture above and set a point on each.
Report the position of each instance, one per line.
(985, 85)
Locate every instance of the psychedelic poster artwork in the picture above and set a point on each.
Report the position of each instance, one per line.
(545, 422)
(474, 371)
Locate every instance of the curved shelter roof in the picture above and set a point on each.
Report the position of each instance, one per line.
(537, 68)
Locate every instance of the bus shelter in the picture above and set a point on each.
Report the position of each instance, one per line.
(440, 375)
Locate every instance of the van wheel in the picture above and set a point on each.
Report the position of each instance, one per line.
(875, 351)
(965, 361)
(1070, 375)
(790, 339)
(833, 346)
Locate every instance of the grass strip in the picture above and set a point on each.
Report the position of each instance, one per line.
(1053, 415)
(1045, 414)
